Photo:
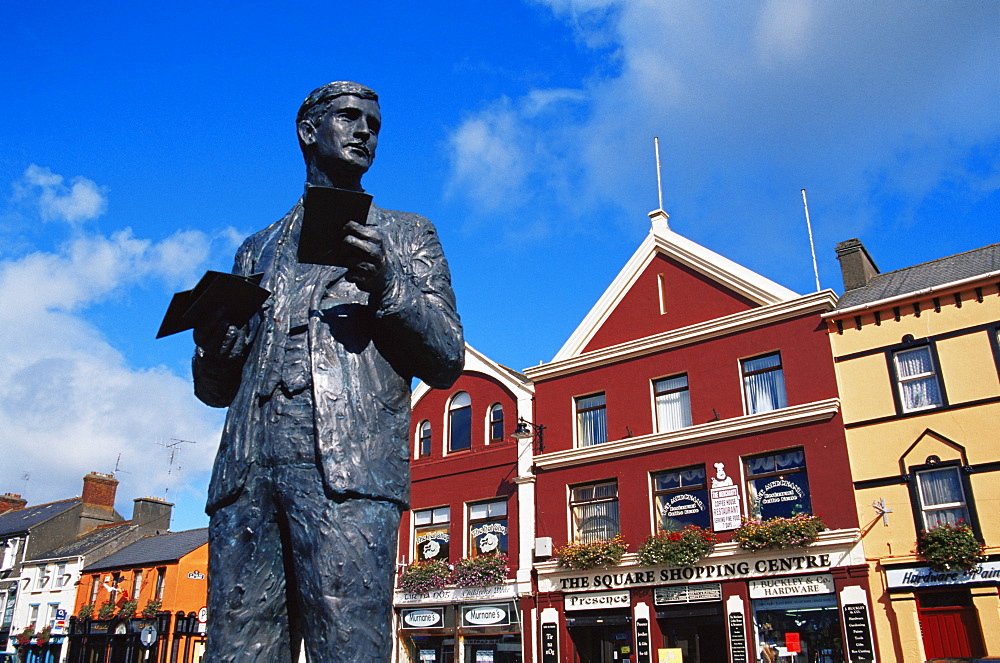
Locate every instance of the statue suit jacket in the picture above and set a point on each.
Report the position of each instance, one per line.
(362, 353)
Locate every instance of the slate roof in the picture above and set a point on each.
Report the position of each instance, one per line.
(89, 541)
(925, 275)
(22, 520)
(152, 549)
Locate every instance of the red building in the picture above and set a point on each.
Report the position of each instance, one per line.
(695, 392)
(471, 498)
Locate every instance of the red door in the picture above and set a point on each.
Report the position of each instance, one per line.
(949, 625)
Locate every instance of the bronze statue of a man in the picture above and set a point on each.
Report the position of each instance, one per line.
(313, 469)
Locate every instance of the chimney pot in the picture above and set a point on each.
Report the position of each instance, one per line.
(856, 267)
(99, 489)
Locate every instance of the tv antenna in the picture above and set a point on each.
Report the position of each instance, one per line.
(118, 467)
(174, 446)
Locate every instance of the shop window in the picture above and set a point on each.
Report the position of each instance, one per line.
(673, 403)
(763, 383)
(798, 628)
(591, 420)
(777, 485)
(680, 498)
(496, 423)
(594, 509)
(424, 439)
(941, 493)
(460, 422)
(431, 533)
(161, 577)
(917, 379)
(488, 528)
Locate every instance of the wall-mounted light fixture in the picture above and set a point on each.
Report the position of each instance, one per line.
(525, 429)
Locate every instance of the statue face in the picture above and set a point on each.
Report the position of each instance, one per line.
(347, 135)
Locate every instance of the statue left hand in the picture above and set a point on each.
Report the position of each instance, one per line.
(368, 269)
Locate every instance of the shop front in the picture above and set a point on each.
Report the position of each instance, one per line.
(956, 611)
(459, 625)
(784, 606)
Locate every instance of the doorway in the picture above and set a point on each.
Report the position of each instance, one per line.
(949, 625)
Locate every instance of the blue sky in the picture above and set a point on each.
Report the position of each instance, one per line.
(140, 144)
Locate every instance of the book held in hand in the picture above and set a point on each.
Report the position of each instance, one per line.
(240, 296)
(327, 210)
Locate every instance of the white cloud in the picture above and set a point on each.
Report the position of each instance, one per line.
(70, 402)
(862, 103)
(81, 200)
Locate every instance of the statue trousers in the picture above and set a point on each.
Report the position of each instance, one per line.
(291, 565)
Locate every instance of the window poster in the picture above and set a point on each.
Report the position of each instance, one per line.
(489, 538)
(781, 496)
(432, 544)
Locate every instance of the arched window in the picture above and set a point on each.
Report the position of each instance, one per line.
(424, 439)
(460, 422)
(496, 423)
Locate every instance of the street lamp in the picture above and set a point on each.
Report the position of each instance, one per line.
(525, 429)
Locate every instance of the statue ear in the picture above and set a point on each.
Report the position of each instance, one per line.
(307, 132)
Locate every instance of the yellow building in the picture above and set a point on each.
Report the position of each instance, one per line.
(918, 368)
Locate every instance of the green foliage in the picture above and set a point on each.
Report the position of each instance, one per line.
(25, 636)
(592, 555)
(950, 547)
(128, 609)
(678, 548)
(480, 571)
(107, 610)
(86, 611)
(152, 607)
(43, 636)
(776, 533)
(421, 577)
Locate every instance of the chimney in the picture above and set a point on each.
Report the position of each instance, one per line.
(152, 513)
(99, 489)
(856, 266)
(11, 502)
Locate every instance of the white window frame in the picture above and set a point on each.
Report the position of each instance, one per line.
(685, 401)
(575, 501)
(926, 510)
(448, 416)
(782, 396)
(439, 516)
(419, 438)
(490, 421)
(579, 418)
(901, 381)
(495, 510)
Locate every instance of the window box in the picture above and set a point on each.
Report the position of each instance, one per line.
(152, 607)
(592, 555)
(949, 547)
(421, 577)
(480, 571)
(86, 611)
(678, 548)
(778, 533)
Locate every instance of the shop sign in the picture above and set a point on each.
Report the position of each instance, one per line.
(486, 615)
(196, 575)
(924, 576)
(683, 574)
(550, 649)
(642, 647)
(711, 591)
(859, 633)
(458, 594)
(598, 600)
(767, 588)
(726, 508)
(737, 637)
(423, 617)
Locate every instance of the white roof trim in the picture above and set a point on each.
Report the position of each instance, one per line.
(755, 317)
(913, 294)
(661, 239)
(752, 424)
(477, 362)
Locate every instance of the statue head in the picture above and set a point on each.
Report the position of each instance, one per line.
(338, 127)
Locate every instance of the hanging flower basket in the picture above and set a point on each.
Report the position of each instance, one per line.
(480, 571)
(678, 548)
(86, 611)
(25, 636)
(42, 637)
(950, 547)
(421, 577)
(128, 609)
(592, 555)
(107, 610)
(777, 533)
(152, 607)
